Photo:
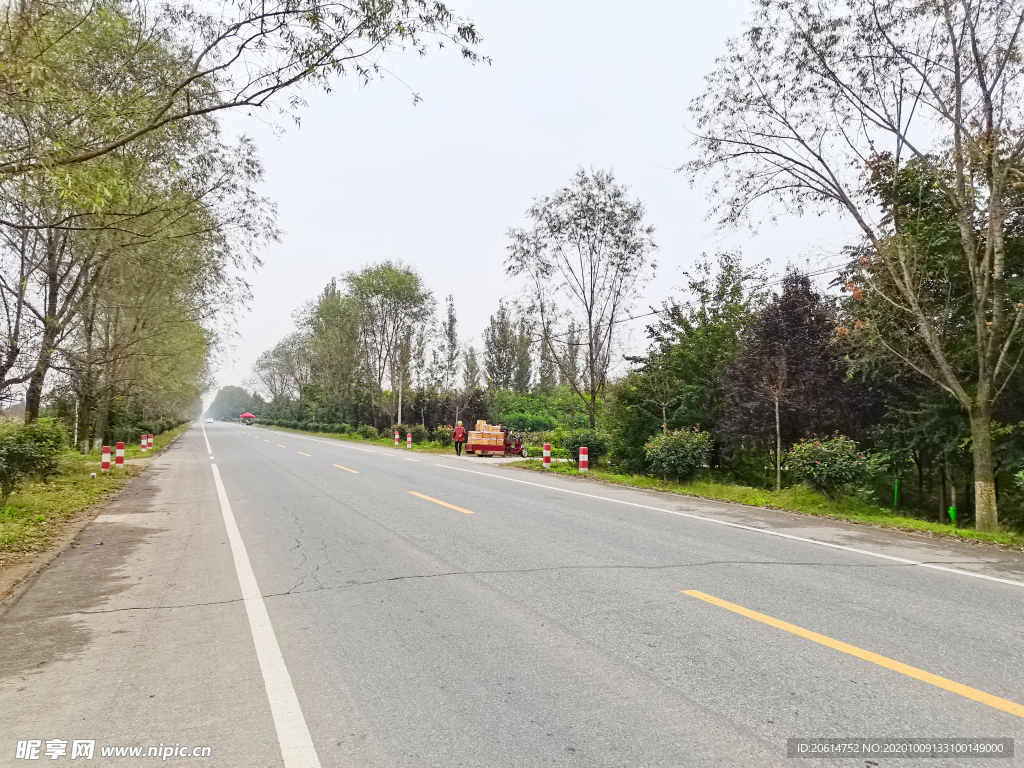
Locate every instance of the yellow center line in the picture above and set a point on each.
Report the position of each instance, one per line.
(442, 503)
(918, 674)
(303, 454)
(346, 469)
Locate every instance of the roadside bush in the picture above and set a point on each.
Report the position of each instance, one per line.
(597, 443)
(22, 453)
(443, 435)
(344, 428)
(419, 433)
(46, 439)
(833, 466)
(529, 422)
(678, 454)
(367, 431)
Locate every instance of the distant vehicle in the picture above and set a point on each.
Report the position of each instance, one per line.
(209, 421)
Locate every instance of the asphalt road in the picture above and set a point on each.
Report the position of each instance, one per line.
(415, 610)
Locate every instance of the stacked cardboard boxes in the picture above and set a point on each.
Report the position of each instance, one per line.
(488, 437)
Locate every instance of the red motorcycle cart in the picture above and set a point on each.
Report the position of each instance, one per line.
(513, 444)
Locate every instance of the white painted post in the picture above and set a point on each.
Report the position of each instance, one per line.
(584, 459)
(396, 438)
(150, 441)
(408, 440)
(119, 459)
(145, 443)
(547, 455)
(105, 461)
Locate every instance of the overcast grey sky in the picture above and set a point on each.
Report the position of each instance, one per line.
(369, 176)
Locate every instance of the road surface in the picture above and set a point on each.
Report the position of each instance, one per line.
(289, 601)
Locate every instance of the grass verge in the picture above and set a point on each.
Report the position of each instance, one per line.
(34, 514)
(795, 499)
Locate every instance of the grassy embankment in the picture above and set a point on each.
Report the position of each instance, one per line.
(34, 513)
(794, 499)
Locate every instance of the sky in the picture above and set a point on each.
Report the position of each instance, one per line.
(368, 175)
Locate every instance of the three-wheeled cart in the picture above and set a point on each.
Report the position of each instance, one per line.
(496, 444)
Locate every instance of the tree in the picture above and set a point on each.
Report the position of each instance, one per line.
(83, 79)
(500, 348)
(816, 95)
(788, 367)
(584, 258)
(393, 305)
(684, 379)
(471, 369)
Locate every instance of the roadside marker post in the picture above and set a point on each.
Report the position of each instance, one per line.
(119, 459)
(408, 440)
(584, 458)
(150, 441)
(547, 455)
(105, 462)
(145, 442)
(396, 438)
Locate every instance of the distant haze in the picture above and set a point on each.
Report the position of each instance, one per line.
(370, 176)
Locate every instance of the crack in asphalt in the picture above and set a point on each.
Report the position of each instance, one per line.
(512, 571)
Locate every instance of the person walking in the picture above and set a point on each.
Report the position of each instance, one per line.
(459, 437)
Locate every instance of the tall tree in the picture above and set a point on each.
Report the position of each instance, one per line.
(816, 94)
(788, 370)
(500, 348)
(585, 257)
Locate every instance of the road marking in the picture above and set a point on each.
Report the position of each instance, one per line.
(346, 469)
(211, 458)
(412, 459)
(442, 503)
(731, 524)
(918, 674)
(302, 454)
(208, 448)
(280, 446)
(266, 441)
(292, 733)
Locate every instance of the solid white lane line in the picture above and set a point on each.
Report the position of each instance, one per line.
(745, 527)
(208, 448)
(292, 733)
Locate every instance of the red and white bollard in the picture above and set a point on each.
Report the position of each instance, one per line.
(584, 459)
(119, 458)
(150, 440)
(105, 462)
(396, 438)
(547, 455)
(145, 443)
(408, 440)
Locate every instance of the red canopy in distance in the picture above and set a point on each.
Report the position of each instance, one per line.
(247, 415)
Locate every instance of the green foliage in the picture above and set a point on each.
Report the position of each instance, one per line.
(832, 466)
(443, 435)
(677, 455)
(367, 432)
(46, 439)
(419, 433)
(598, 444)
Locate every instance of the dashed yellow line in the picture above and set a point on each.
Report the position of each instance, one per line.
(918, 674)
(442, 503)
(303, 454)
(346, 469)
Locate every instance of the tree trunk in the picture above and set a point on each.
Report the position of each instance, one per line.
(778, 448)
(986, 516)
